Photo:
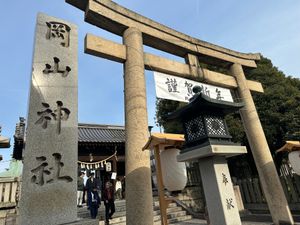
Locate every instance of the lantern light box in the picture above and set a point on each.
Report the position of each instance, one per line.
(204, 122)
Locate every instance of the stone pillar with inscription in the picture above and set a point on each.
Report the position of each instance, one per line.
(49, 180)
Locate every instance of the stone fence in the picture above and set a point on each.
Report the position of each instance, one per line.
(9, 188)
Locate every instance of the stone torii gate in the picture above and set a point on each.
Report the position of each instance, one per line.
(137, 30)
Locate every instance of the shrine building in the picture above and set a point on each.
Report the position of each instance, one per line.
(101, 148)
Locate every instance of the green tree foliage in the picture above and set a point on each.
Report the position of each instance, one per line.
(163, 108)
(278, 107)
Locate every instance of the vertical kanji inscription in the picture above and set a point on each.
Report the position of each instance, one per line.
(59, 30)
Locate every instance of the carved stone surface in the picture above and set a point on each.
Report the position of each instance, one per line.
(221, 204)
(217, 185)
(58, 30)
(49, 180)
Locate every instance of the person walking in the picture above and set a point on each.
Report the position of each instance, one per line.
(109, 201)
(118, 189)
(80, 186)
(85, 178)
(92, 186)
(123, 182)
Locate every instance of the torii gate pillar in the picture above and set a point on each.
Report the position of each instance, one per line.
(138, 172)
(269, 179)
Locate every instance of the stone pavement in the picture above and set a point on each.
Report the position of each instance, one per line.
(203, 222)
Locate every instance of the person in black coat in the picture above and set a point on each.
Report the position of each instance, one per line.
(109, 201)
(92, 186)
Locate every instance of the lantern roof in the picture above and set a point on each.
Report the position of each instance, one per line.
(203, 103)
(166, 139)
(290, 146)
(4, 142)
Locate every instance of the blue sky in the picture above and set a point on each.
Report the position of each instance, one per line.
(270, 27)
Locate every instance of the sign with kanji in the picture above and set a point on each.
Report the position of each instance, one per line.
(50, 157)
(181, 89)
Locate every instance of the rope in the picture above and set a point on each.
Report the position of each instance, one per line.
(98, 162)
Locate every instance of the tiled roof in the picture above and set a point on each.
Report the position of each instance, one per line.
(101, 133)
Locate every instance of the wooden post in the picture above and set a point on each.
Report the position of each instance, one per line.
(115, 169)
(160, 184)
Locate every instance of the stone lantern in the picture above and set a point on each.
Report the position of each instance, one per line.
(208, 141)
(293, 149)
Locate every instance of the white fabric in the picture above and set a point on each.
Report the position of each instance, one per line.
(93, 197)
(294, 158)
(85, 178)
(173, 172)
(118, 185)
(113, 175)
(108, 166)
(79, 197)
(180, 89)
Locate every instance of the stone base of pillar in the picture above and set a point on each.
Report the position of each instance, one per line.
(80, 221)
(83, 221)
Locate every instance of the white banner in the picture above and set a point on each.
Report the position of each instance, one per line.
(180, 89)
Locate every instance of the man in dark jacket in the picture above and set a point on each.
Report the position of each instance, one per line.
(93, 186)
(109, 201)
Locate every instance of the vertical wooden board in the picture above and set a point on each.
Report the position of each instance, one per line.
(239, 182)
(13, 191)
(7, 192)
(245, 188)
(282, 180)
(198, 176)
(189, 177)
(297, 182)
(294, 196)
(1, 192)
(251, 190)
(162, 201)
(194, 177)
(257, 190)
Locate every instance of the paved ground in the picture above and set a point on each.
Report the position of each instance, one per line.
(203, 222)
